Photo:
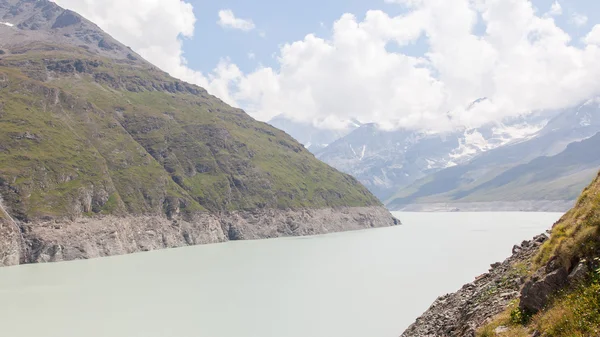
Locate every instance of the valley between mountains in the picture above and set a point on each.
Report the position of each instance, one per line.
(537, 162)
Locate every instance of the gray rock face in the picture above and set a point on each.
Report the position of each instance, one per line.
(86, 238)
(10, 244)
(46, 21)
(67, 18)
(537, 291)
(579, 273)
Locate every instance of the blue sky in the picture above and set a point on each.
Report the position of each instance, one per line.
(288, 21)
(281, 21)
(397, 63)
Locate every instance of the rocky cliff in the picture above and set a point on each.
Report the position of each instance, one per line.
(102, 153)
(91, 237)
(550, 286)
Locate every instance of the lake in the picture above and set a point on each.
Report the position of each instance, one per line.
(366, 283)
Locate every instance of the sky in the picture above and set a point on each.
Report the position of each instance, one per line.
(399, 63)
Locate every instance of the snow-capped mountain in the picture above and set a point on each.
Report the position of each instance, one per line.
(313, 138)
(386, 161)
(545, 172)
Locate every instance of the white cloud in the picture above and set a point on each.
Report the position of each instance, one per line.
(228, 20)
(579, 19)
(555, 9)
(522, 62)
(593, 38)
(251, 56)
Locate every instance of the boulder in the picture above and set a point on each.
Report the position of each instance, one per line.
(579, 273)
(537, 291)
(500, 330)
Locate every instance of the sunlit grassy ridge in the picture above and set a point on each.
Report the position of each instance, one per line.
(80, 134)
(575, 311)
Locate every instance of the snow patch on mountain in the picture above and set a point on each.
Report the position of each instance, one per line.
(595, 100)
(585, 120)
(474, 142)
(362, 154)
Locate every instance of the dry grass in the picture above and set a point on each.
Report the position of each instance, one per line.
(574, 314)
(505, 319)
(577, 234)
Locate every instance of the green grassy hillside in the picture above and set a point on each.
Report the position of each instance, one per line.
(84, 134)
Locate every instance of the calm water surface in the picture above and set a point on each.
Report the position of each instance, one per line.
(369, 283)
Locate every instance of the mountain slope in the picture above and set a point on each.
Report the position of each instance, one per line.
(548, 287)
(89, 130)
(383, 160)
(545, 172)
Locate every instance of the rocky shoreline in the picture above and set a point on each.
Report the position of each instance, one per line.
(516, 283)
(85, 238)
(463, 312)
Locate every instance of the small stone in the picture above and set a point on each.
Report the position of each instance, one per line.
(509, 295)
(501, 329)
(579, 273)
(516, 249)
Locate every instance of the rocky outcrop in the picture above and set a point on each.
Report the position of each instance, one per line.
(537, 291)
(10, 238)
(86, 238)
(462, 313)
(10, 243)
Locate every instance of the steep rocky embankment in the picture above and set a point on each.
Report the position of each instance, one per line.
(463, 312)
(102, 153)
(93, 237)
(550, 286)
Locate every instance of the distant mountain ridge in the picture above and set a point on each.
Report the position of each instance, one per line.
(313, 138)
(554, 165)
(394, 165)
(386, 161)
